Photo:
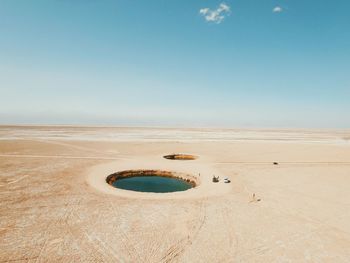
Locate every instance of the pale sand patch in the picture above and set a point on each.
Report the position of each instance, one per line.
(96, 177)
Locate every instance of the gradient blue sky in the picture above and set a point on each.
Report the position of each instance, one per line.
(161, 63)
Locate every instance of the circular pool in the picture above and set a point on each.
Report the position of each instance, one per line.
(153, 181)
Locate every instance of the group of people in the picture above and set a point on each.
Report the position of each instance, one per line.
(216, 179)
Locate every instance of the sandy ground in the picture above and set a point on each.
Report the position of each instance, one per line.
(55, 206)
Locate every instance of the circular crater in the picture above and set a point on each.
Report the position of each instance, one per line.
(183, 157)
(153, 181)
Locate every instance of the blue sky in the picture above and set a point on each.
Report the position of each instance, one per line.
(239, 63)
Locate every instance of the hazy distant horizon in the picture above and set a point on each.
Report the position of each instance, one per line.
(145, 124)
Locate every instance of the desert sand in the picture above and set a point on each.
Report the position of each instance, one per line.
(57, 207)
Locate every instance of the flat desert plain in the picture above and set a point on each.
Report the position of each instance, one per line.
(57, 207)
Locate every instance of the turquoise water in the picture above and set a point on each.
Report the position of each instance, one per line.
(154, 184)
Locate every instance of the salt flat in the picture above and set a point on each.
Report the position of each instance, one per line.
(55, 206)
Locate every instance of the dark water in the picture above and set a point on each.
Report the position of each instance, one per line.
(154, 184)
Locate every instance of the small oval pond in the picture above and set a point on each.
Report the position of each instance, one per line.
(180, 156)
(152, 183)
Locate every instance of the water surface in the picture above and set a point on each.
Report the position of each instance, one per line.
(154, 184)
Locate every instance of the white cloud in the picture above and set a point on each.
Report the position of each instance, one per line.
(277, 9)
(216, 15)
(204, 11)
(224, 7)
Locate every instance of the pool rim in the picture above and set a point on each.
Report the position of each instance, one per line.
(192, 180)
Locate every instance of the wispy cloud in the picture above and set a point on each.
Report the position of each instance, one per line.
(277, 9)
(215, 15)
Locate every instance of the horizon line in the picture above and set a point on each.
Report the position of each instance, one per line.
(167, 127)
